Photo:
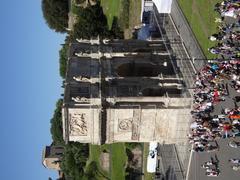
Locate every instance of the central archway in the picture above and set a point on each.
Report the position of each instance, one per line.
(143, 69)
(171, 91)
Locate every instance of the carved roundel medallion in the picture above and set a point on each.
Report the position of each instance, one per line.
(125, 124)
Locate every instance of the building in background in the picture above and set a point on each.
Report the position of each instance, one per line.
(52, 156)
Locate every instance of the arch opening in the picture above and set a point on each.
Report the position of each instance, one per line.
(152, 92)
(144, 69)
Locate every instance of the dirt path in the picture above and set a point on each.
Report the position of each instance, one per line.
(105, 161)
(137, 159)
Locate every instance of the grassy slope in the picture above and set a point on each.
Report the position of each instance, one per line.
(135, 12)
(200, 15)
(134, 17)
(118, 161)
(94, 155)
(111, 8)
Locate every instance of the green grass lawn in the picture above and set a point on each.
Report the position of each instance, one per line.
(114, 8)
(94, 152)
(134, 16)
(111, 8)
(118, 161)
(94, 155)
(201, 16)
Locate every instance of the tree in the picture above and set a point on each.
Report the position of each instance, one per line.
(116, 32)
(91, 23)
(91, 172)
(79, 1)
(63, 57)
(55, 13)
(74, 160)
(56, 124)
(132, 145)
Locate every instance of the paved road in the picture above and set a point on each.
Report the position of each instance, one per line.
(224, 154)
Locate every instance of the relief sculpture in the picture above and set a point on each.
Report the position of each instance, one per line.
(125, 124)
(79, 99)
(81, 79)
(78, 125)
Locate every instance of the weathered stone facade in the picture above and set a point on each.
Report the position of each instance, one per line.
(52, 156)
(123, 91)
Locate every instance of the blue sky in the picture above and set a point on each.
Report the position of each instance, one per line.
(30, 86)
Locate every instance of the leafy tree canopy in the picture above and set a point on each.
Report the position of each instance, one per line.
(55, 13)
(91, 172)
(116, 32)
(56, 124)
(74, 160)
(91, 23)
(63, 57)
(80, 1)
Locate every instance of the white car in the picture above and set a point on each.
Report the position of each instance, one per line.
(152, 157)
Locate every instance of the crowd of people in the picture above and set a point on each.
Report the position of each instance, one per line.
(228, 8)
(213, 85)
(229, 35)
(211, 167)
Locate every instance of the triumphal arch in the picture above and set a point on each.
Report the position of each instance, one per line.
(124, 91)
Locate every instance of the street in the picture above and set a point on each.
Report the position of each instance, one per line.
(223, 155)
